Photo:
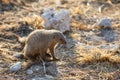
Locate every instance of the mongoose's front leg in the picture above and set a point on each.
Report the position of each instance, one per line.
(52, 53)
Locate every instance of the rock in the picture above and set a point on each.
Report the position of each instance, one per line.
(104, 23)
(15, 67)
(109, 46)
(40, 78)
(18, 55)
(52, 69)
(36, 68)
(29, 71)
(108, 35)
(56, 20)
(49, 76)
(46, 77)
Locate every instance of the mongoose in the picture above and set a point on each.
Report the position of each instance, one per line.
(39, 41)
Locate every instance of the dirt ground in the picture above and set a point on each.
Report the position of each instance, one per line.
(91, 53)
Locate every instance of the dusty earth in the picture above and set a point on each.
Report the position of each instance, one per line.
(91, 53)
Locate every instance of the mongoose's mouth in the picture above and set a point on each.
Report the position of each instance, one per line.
(62, 41)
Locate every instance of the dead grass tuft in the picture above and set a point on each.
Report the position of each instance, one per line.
(76, 10)
(115, 59)
(116, 26)
(87, 58)
(105, 76)
(105, 57)
(75, 35)
(99, 55)
(34, 21)
(80, 25)
(6, 1)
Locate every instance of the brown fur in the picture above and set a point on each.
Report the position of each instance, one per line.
(39, 41)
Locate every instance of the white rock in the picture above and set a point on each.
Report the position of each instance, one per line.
(29, 71)
(15, 67)
(105, 22)
(56, 20)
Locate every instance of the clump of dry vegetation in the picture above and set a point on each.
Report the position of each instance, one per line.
(35, 21)
(81, 26)
(99, 55)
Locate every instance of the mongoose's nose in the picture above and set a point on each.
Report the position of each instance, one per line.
(65, 42)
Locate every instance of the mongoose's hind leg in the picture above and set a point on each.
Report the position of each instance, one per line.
(36, 59)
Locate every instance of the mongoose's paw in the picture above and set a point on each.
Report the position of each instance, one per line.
(55, 59)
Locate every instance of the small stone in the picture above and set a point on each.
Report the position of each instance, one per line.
(39, 78)
(49, 76)
(29, 71)
(18, 55)
(105, 23)
(69, 46)
(109, 46)
(46, 77)
(52, 69)
(36, 68)
(15, 67)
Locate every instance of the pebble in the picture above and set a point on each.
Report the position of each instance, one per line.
(46, 77)
(17, 55)
(29, 71)
(105, 22)
(36, 68)
(15, 67)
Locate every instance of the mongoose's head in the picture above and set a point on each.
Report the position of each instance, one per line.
(59, 38)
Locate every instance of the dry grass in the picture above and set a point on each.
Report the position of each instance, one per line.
(6, 1)
(35, 21)
(75, 10)
(98, 55)
(116, 26)
(80, 25)
(74, 35)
